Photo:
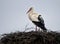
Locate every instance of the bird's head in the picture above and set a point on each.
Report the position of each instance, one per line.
(30, 9)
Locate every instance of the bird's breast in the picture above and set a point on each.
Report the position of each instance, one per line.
(33, 17)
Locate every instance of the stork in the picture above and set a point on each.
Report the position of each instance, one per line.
(36, 19)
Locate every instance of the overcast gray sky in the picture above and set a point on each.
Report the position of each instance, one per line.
(13, 14)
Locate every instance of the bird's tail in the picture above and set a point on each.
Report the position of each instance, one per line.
(45, 29)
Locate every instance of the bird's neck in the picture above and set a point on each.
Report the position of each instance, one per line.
(31, 12)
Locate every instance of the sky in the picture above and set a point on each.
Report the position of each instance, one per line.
(13, 15)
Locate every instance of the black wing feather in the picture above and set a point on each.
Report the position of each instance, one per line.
(41, 19)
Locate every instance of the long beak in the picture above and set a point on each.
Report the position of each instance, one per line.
(29, 10)
(26, 12)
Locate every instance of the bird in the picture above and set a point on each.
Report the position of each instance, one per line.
(36, 19)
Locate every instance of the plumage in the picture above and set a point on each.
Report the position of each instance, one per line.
(36, 18)
(41, 19)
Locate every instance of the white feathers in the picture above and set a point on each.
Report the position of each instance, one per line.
(33, 16)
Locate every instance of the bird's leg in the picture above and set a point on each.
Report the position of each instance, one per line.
(39, 29)
(36, 28)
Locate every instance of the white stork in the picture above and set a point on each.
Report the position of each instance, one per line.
(36, 19)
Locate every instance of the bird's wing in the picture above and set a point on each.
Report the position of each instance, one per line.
(41, 19)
